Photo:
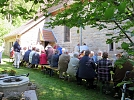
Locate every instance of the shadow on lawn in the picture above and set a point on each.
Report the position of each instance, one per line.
(53, 88)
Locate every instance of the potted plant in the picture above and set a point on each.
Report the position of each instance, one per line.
(11, 72)
(3, 73)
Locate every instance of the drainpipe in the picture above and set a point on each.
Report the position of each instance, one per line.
(81, 36)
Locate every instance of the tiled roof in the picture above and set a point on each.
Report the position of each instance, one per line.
(48, 36)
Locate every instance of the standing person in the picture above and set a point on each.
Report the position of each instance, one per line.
(63, 63)
(48, 45)
(1, 51)
(104, 66)
(17, 49)
(43, 59)
(84, 47)
(40, 46)
(86, 70)
(59, 48)
(49, 53)
(77, 48)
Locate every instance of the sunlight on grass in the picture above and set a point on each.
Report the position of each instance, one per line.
(3, 62)
(43, 92)
(5, 68)
(52, 88)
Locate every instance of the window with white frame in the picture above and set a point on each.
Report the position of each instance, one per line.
(66, 34)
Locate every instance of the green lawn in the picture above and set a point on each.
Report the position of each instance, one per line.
(52, 88)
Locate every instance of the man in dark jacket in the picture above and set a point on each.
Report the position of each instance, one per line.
(86, 70)
(17, 49)
(26, 56)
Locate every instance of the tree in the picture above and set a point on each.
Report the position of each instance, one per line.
(99, 14)
(5, 28)
(13, 14)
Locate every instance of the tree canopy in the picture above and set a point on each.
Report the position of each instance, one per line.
(13, 13)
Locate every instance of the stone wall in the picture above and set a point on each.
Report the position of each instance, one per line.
(94, 38)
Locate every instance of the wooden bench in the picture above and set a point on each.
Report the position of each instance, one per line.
(48, 69)
(31, 94)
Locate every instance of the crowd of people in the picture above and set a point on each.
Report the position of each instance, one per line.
(83, 64)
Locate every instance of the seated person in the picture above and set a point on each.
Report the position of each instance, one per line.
(26, 56)
(81, 54)
(92, 55)
(63, 63)
(73, 65)
(35, 59)
(99, 55)
(86, 70)
(130, 76)
(31, 55)
(22, 52)
(43, 59)
(55, 59)
(104, 66)
(119, 74)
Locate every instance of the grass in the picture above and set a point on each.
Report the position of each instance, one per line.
(52, 88)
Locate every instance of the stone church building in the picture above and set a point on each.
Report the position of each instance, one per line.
(36, 31)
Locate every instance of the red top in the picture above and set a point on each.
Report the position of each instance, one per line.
(43, 59)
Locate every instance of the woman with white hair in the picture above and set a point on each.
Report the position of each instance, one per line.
(99, 55)
(63, 63)
(92, 55)
(73, 65)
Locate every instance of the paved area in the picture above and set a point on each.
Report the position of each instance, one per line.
(31, 94)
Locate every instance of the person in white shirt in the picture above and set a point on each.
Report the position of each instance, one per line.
(77, 48)
(40, 47)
